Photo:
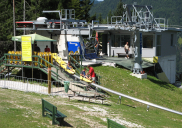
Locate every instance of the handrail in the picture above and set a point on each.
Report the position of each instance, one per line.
(132, 98)
(38, 61)
(46, 61)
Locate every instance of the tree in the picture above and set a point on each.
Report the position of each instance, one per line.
(86, 6)
(119, 9)
(109, 16)
(100, 18)
(75, 4)
(93, 17)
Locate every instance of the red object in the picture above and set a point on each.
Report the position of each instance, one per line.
(49, 69)
(96, 36)
(91, 71)
(47, 50)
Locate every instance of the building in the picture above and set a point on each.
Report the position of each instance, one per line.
(147, 36)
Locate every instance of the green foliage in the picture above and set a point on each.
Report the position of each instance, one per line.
(109, 16)
(119, 10)
(78, 9)
(100, 18)
(34, 10)
(93, 17)
(179, 56)
(168, 9)
(86, 6)
(180, 41)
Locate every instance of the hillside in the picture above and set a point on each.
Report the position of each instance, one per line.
(19, 109)
(168, 9)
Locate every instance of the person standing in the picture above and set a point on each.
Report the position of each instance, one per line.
(96, 47)
(37, 49)
(127, 49)
(47, 49)
(91, 73)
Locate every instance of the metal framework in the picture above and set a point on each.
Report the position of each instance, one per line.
(135, 17)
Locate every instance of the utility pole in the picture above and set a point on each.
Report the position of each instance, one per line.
(14, 24)
(24, 15)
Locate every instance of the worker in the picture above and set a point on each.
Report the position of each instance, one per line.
(91, 73)
(37, 49)
(96, 45)
(127, 49)
(47, 49)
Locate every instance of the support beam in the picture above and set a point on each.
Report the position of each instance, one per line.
(8, 72)
(49, 79)
(40, 72)
(138, 53)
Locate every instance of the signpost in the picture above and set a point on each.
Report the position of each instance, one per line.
(26, 49)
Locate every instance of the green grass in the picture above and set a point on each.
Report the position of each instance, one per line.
(19, 109)
(151, 90)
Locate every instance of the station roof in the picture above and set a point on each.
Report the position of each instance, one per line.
(35, 37)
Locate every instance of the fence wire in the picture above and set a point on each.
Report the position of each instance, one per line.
(65, 88)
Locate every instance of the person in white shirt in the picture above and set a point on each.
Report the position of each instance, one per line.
(127, 49)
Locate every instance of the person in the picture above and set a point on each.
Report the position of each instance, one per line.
(91, 73)
(69, 66)
(127, 49)
(37, 49)
(47, 49)
(83, 74)
(96, 47)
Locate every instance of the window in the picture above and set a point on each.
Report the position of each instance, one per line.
(113, 40)
(120, 40)
(158, 48)
(147, 41)
(117, 41)
(124, 39)
(172, 40)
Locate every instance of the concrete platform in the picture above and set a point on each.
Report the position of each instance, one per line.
(127, 63)
(112, 61)
(141, 76)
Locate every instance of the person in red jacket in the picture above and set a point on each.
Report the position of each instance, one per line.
(47, 49)
(91, 73)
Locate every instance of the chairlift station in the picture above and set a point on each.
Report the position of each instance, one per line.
(148, 36)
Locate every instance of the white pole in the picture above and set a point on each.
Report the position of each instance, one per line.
(14, 24)
(24, 15)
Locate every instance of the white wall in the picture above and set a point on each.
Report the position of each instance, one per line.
(148, 52)
(168, 65)
(118, 50)
(62, 44)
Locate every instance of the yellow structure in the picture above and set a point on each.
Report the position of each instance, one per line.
(155, 59)
(48, 56)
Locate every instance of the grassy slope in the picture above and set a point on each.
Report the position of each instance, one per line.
(151, 90)
(19, 109)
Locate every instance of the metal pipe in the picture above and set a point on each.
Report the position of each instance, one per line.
(132, 98)
(24, 16)
(14, 24)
